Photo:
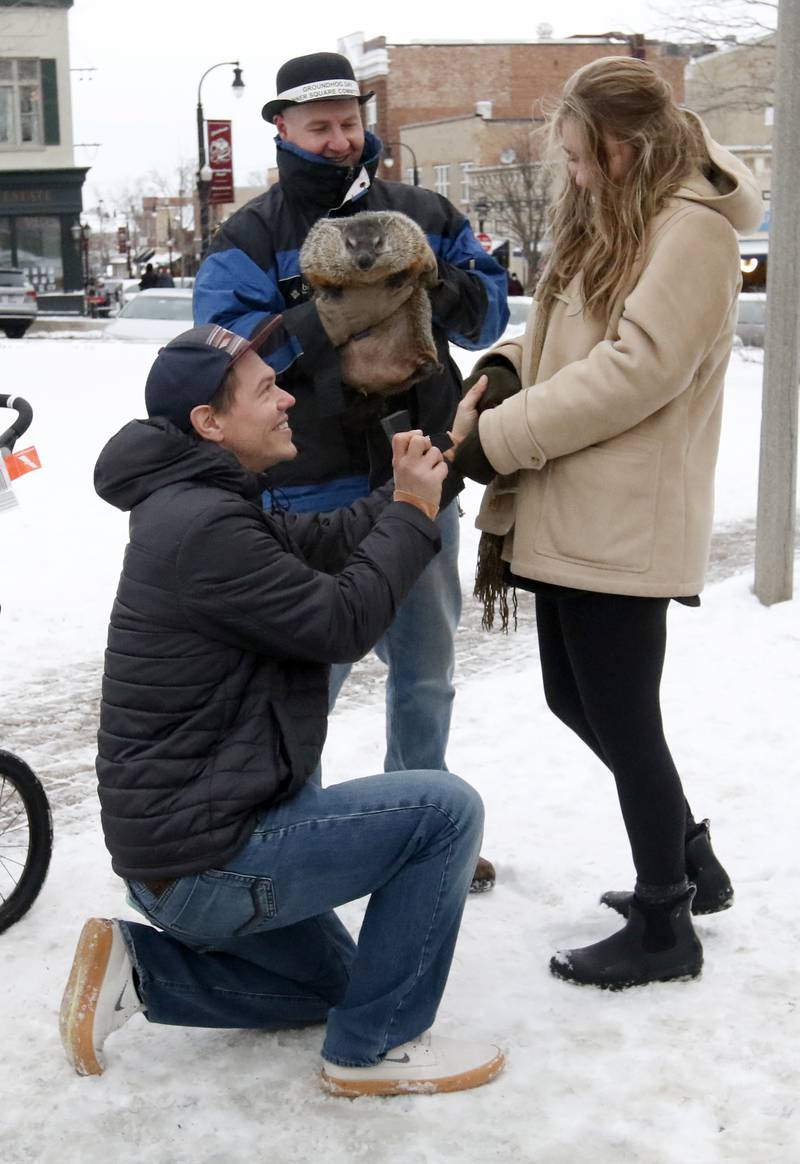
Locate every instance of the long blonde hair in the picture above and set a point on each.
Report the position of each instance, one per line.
(601, 232)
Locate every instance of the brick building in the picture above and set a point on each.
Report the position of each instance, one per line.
(439, 80)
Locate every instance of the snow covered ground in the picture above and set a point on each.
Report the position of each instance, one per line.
(703, 1071)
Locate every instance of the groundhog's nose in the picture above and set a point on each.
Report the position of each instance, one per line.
(364, 262)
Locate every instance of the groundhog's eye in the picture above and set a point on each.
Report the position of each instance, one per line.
(377, 242)
(350, 242)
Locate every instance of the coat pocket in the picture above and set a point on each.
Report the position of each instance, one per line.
(599, 505)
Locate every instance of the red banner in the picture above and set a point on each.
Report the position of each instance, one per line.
(220, 159)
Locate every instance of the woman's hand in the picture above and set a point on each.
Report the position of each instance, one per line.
(467, 412)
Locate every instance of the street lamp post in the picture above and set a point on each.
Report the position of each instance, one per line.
(203, 170)
(388, 160)
(80, 236)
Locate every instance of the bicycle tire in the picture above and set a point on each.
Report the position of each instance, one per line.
(26, 838)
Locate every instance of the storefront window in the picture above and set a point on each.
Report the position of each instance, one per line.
(39, 251)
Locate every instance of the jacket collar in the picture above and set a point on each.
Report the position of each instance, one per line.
(314, 181)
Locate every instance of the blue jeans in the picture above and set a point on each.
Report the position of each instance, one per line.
(418, 649)
(255, 944)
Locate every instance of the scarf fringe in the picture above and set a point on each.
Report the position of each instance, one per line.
(491, 587)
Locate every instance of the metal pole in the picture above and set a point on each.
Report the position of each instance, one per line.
(202, 187)
(777, 482)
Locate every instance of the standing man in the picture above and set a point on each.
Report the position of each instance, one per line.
(327, 165)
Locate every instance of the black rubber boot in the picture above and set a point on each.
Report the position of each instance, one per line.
(714, 889)
(657, 944)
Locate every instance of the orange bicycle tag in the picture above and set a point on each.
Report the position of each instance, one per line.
(24, 461)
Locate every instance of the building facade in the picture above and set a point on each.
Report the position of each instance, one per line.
(733, 91)
(446, 81)
(40, 187)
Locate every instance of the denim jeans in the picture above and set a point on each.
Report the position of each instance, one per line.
(418, 649)
(256, 944)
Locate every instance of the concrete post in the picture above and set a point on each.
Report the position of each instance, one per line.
(777, 482)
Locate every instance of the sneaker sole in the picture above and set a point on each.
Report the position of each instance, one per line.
(353, 1088)
(76, 1017)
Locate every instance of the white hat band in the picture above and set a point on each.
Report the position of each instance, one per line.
(320, 90)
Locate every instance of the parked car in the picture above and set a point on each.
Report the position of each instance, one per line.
(752, 317)
(18, 306)
(155, 315)
(519, 308)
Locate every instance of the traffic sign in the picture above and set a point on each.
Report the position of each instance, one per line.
(485, 240)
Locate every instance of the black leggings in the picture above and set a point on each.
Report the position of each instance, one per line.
(602, 657)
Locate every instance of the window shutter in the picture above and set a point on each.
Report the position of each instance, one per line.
(52, 133)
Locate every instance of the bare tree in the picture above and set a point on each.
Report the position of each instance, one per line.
(517, 195)
(740, 75)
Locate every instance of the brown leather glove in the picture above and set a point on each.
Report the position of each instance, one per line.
(503, 382)
(349, 311)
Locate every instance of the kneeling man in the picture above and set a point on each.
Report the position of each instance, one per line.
(213, 718)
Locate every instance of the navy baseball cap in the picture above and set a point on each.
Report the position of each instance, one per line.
(190, 369)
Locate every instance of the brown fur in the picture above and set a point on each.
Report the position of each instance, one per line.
(375, 249)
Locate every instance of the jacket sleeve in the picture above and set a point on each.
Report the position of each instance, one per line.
(670, 322)
(246, 589)
(470, 301)
(326, 540)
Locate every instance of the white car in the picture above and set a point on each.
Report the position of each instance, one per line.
(155, 315)
(519, 307)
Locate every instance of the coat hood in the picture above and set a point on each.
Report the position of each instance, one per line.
(727, 186)
(146, 455)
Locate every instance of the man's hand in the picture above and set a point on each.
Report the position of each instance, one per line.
(502, 382)
(419, 467)
(469, 409)
(352, 310)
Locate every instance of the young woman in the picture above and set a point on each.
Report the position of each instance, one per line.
(599, 432)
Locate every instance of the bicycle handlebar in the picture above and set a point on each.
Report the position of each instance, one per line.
(24, 417)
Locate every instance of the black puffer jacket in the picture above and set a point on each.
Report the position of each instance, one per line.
(226, 618)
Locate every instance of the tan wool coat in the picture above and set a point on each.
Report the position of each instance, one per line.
(607, 455)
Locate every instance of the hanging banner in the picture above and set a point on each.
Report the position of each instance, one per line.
(220, 159)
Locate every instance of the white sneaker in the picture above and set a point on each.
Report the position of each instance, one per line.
(428, 1064)
(99, 997)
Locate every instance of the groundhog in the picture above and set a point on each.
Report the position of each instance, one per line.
(377, 248)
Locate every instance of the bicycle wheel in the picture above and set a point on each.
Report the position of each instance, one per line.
(26, 838)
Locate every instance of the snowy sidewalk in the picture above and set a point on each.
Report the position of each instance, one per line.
(704, 1071)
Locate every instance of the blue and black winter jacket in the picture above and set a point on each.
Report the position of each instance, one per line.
(253, 272)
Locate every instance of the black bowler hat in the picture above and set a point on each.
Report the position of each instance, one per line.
(316, 77)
